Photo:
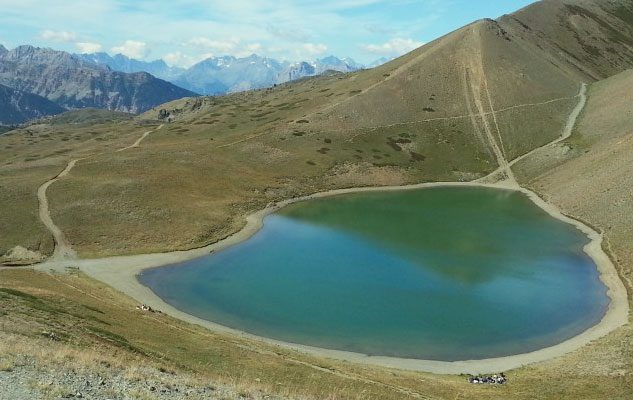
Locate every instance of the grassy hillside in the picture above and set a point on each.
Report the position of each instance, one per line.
(592, 37)
(32, 155)
(427, 116)
(590, 176)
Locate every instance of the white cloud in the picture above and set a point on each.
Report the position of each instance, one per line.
(247, 50)
(184, 60)
(290, 34)
(314, 49)
(213, 23)
(208, 48)
(88, 47)
(219, 46)
(58, 36)
(132, 49)
(394, 47)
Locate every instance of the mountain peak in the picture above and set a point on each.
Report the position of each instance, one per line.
(42, 56)
(379, 62)
(330, 59)
(3, 50)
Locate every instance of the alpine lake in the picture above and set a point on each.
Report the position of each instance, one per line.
(447, 273)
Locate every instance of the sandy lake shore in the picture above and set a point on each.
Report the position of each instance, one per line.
(121, 273)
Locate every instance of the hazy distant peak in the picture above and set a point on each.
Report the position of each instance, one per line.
(226, 74)
(379, 62)
(330, 59)
(123, 63)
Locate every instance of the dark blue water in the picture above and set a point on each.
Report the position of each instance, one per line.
(443, 274)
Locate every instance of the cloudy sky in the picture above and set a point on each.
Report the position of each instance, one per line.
(183, 32)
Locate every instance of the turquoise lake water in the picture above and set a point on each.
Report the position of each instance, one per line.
(439, 274)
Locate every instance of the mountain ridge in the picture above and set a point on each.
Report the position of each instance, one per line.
(227, 74)
(74, 83)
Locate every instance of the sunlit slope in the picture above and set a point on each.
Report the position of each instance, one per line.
(594, 37)
(591, 173)
(590, 177)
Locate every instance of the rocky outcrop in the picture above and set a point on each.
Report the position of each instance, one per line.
(21, 256)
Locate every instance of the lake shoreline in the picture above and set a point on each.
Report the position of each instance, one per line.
(121, 273)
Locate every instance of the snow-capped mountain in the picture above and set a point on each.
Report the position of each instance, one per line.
(227, 74)
(220, 75)
(332, 63)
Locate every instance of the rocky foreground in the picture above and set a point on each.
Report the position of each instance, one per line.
(28, 379)
(64, 373)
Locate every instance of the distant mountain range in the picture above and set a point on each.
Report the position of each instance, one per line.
(228, 74)
(37, 82)
(70, 82)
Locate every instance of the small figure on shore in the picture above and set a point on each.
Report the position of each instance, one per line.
(490, 380)
(145, 307)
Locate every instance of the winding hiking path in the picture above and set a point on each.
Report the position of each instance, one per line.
(139, 140)
(63, 249)
(567, 132)
(569, 126)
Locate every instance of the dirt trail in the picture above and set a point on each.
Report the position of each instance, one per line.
(476, 79)
(567, 132)
(139, 140)
(243, 140)
(569, 126)
(63, 249)
(504, 154)
(471, 114)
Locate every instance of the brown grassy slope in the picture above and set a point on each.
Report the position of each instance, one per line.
(99, 326)
(594, 37)
(454, 77)
(423, 117)
(590, 176)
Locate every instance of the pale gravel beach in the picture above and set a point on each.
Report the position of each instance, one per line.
(121, 273)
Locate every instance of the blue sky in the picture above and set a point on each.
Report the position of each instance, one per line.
(186, 31)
